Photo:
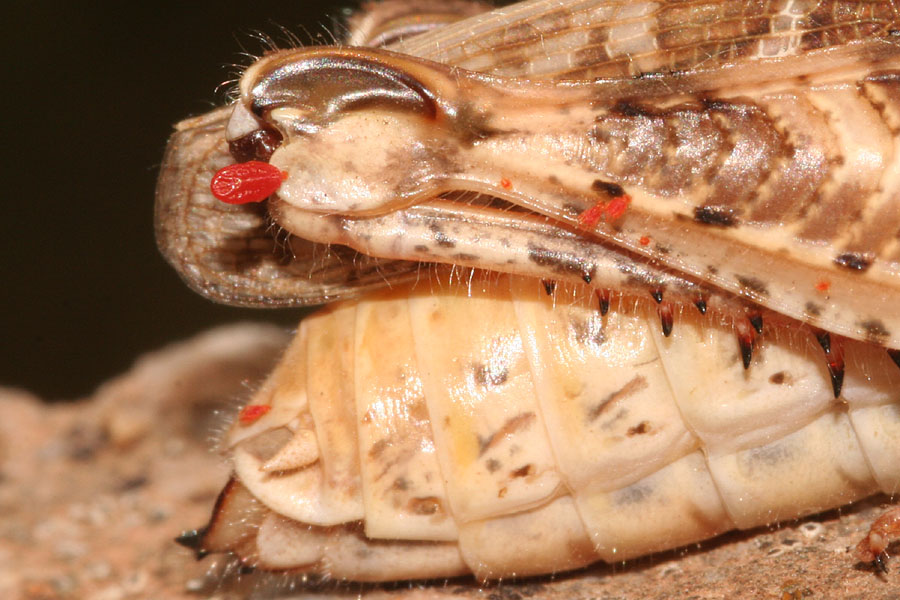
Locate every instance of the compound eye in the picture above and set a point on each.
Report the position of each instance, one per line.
(256, 145)
(250, 138)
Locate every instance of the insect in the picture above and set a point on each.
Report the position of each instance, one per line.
(673, 236)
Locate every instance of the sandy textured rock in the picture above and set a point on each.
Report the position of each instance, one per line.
(92, 493)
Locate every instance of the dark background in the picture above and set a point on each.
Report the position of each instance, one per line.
(91, 93)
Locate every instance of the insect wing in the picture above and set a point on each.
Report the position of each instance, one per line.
(724, 141)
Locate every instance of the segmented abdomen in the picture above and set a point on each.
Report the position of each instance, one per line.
(485, 426)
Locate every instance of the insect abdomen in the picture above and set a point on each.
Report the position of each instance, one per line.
(495, 429)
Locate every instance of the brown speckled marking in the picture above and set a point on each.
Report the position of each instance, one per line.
(716, 215)
(853, 262)
(523, 471)
(489, 375)
(875, 330)
(752, 284)
(639, 429)
(635, 384)
(428, 505)
(521, 421)
(779, 378)
(559, 263)
(441, 238)
(610, 189)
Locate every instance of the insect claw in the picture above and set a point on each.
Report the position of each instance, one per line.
(603, 299)
(895, 355)
(549, 286)
(700, 303)
(757, 321)
(193, 539)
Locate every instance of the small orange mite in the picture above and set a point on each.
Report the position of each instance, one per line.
(505, 183)
(617, 207)
(823, 285)
(252, 412)
(591, 216)
(644, 240)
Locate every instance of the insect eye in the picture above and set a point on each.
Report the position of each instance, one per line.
(256, 145)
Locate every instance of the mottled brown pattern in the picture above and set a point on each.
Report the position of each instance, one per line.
(749, 176)
(512, 425)
(635, 384)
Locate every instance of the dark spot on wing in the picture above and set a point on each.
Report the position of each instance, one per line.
(715, 215)
(752, 284)
(875, 331)
(853, 261)
(441, 238)
(630, 109)
(612, 190)
(558, 262)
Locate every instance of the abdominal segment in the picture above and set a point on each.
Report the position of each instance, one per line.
(485, 426)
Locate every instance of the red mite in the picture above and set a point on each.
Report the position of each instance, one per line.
(251, 181)
(608, 211)
(251, 413)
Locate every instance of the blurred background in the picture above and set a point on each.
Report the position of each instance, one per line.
(92, 91)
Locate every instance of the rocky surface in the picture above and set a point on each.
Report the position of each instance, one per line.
(92, 494)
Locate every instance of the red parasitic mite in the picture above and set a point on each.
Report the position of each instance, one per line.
(251, 181)
(823, 285)
(607, 211)
(617, 207)
(251, 413)
(644, 240)
(591, 216)
(505, 183)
